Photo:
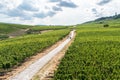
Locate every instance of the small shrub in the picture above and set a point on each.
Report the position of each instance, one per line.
(105, 25)
(3, 37)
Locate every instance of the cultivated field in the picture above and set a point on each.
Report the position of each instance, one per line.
(95, 53)
(14, 51)
(15, 30)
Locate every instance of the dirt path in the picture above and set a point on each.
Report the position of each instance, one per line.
(47, 72)
(32, 69)
(29, 61)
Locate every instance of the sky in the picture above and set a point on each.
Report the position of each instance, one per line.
(56, 12)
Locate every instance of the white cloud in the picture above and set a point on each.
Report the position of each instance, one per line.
(55, 11)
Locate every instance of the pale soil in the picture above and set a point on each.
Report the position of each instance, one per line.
(47, 72)
(23, 32)
(30, 61)
(17, 33)
(44, 31)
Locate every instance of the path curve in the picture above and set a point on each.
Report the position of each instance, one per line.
(30, 71)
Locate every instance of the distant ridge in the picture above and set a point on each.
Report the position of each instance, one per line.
(117, 16)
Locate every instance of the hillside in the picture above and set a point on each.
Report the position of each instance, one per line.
(7, 29)
(112, 21)
(117, 16)
(13, 30)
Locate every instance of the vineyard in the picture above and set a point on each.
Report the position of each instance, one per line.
(95, 54)
(7, 30)
(14, 51)
(38, 28)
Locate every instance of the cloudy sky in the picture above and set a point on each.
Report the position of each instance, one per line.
(56, 12)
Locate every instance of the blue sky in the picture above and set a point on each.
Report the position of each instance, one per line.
(56, 12)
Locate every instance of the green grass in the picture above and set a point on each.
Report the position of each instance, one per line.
(94, 55)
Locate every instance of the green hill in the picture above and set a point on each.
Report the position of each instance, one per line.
(12, 30)
(6, 29)
(109, 18)
(112, 21)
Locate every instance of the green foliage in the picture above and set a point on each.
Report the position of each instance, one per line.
(94, 55)
(40, 28)
(3, 37)
(14, 51)
(105, 25)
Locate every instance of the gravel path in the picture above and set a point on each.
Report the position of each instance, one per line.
(30, 71)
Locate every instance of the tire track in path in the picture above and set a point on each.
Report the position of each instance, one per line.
(30, 71)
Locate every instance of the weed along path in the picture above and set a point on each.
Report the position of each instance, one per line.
(31, 70)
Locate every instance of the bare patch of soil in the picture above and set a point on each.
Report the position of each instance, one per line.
(44, 31)
(18, 33)
(24, 31)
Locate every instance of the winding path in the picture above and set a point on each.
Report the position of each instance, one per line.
(30, 71)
